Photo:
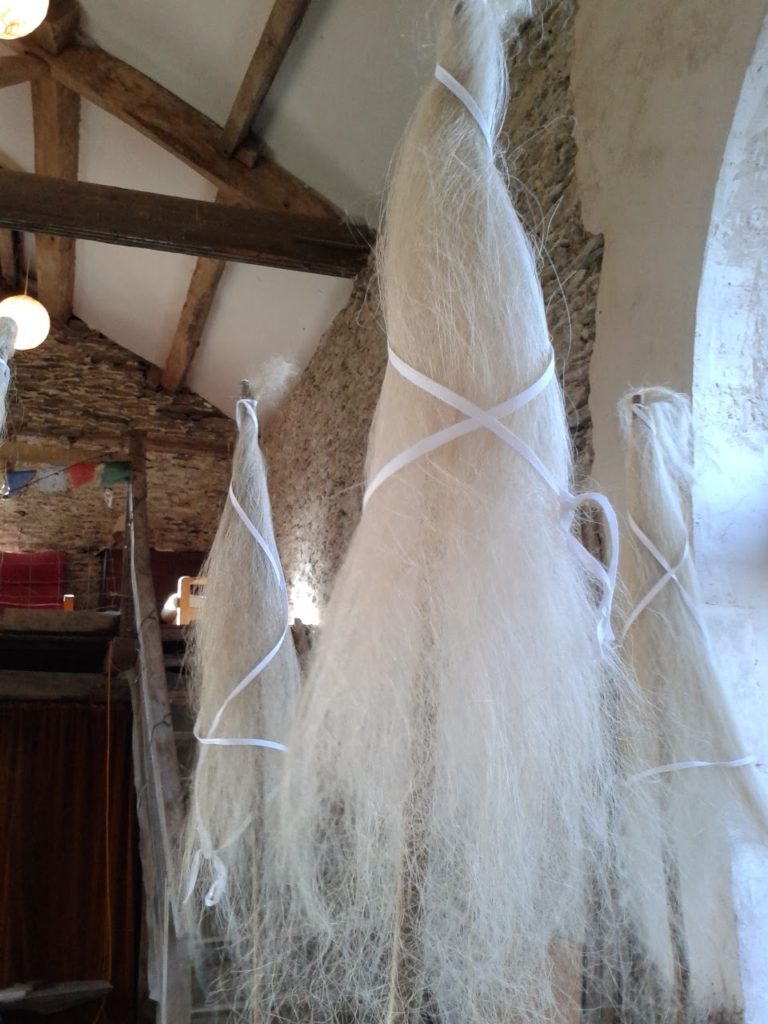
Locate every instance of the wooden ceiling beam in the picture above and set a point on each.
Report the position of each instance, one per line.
(56, 113)
(138, 101)
(14, 70)
(9, 260)
(146, 220)
(282, 24)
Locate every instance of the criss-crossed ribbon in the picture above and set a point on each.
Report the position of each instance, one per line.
(476, 418)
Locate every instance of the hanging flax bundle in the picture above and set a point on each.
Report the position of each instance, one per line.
(244, 681)
(690, 757)
(7, 338)
(446, 797)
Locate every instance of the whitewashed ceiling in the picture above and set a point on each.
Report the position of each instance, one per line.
(333, 118)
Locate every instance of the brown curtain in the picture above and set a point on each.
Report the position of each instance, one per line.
(59, 919)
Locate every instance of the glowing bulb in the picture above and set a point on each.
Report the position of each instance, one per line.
(20, 17)
(32, 320)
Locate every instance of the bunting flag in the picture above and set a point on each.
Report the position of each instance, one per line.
(52, 481)
(81, 473)
(17, 479)
(114, 473)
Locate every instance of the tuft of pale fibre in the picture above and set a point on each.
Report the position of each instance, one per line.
(446, 807)
(272, 383)
(679, 839)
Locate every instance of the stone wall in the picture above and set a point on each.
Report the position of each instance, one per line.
(316, 444)
(80, 395)
(315, 449)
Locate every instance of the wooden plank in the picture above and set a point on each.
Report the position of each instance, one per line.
(21, 684)
(44, 620)
(53, 998)
(146, 220)
(282, 24)
(14, 70)
(194, 316)
(103, 448)
(150, 850)
(56, 113)
(176, 126)
(154, 692)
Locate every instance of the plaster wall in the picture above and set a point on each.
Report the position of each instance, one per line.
(655, 87)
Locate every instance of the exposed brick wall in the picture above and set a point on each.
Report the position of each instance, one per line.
(80, 388)
(316, 443)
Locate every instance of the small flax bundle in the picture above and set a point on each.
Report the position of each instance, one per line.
(7, 338)
(451, 770)
(689, 756)
(244, 682)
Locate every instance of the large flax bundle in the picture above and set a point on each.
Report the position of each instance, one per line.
(449, 774)
(238, 702)
(7, 338)
(689, 757)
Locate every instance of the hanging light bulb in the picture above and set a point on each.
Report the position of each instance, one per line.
(20, 17)
(32, 320)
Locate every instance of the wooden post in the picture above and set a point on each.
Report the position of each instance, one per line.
(156, 708)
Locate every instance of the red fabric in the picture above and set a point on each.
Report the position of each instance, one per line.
(70, 882)
(31, 579)
(81, 473)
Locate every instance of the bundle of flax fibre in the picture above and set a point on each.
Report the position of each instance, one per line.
(445, 804)
(244, 683)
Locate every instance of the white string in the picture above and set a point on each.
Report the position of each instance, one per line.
(670, 574)
(488, 419)
(679, 766)
(207, 851)
(469, 101)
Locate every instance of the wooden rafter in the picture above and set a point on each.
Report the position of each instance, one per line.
(136, 100)
(21, 69)
(56, 113)
(282, 24)
(9, 262)
(194, 316)
(102, 213)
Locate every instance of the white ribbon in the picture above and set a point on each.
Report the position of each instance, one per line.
(680, 766)
(489, 419)
(468, 100)
(207, 851)
(5, 371)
